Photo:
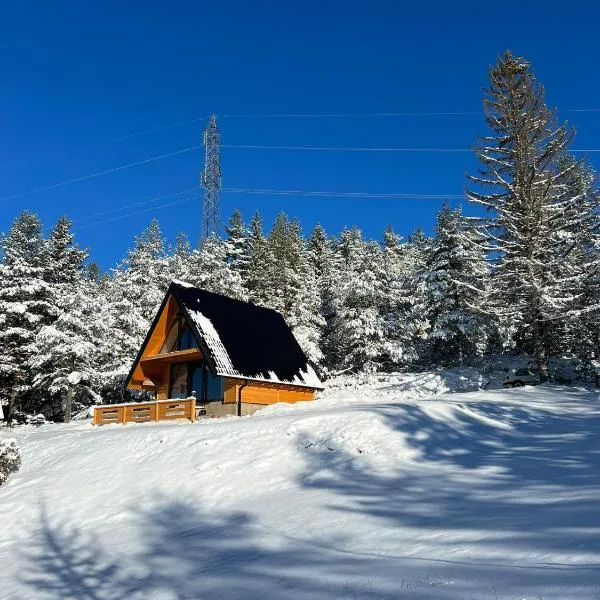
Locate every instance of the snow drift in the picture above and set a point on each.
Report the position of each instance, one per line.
(480, 495)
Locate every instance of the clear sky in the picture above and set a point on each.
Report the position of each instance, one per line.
(76, 73)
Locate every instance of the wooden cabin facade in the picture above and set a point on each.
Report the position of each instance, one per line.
(232, 356)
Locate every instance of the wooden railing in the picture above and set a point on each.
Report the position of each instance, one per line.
(143, 412)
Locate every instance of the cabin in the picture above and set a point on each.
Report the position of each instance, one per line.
(231, 356)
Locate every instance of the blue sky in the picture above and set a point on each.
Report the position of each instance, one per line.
(76, 73)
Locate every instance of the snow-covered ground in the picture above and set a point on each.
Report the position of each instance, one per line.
(370, 492)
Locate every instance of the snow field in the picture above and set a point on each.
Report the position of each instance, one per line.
(363, 494)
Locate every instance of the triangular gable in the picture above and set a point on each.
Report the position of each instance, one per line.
(236, 339)
(158, 332)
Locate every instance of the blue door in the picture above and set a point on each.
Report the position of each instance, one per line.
(203, 385)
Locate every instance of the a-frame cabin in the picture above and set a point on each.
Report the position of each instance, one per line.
(232, 356)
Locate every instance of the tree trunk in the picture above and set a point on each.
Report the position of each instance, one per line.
(68, 404)
(12, 404)
(538, 350)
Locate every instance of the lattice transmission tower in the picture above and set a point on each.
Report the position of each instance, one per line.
(210, 179)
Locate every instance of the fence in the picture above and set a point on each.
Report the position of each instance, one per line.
(143, 412)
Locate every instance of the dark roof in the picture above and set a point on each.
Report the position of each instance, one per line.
(242, 340)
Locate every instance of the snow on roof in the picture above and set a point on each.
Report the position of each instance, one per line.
(213, 341)
(245, 341)
(182, 283)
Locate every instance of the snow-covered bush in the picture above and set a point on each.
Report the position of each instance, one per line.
(10, 458)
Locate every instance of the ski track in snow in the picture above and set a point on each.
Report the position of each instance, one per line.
(369, 492)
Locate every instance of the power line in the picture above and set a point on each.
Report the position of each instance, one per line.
(351, 115)
(264, 116)
(119, 138)
(363, 149)
(99, 173)
(194, 191)
(126, 206)
(139, 212)
(342, 148)
(371, 115)
(248, 147)
(392, 195)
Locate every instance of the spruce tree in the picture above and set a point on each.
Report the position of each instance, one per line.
(260, 265)
(179, 259)
(210, 270)
(359, 327)
(64, 365)
(237, 243)
(25, 307)
(454, 278)
(529, 193)
(143, 275)
(323, 265)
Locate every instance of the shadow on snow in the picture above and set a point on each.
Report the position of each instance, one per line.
(532, 487)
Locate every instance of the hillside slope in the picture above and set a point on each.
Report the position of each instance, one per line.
(366, 494)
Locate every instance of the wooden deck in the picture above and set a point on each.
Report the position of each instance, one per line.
(144, 412)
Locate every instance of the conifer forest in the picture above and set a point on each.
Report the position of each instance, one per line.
(513, 271)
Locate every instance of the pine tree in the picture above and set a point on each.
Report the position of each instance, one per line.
(404, 312)
(359, 328)
(395, 282)
(64, 273)
(260, 265)
(285, 246)
(143, 275)
(25, 307)
(237, 243)
(323, 265)
(454, 279)
(179, 259)
(64, 364)
(210, 270)
(125, 328)
(66, 260)
(532, 205)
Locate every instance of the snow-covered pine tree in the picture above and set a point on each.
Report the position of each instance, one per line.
(578, 334)
(529, 194)
(285, 245)
(359, 328)
(455, 280)
(131, 297)
(125, 329)
(143, 275)
(304, 316)
(237, 243)
(322, 261)
(404, 314)
(260, 265)
(64, 365)
(25, 307)
(398, 344)
(66, 260)
(210, 270)
(179, 259)
(64, 272)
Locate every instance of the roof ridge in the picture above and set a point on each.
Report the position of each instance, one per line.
(188, 286)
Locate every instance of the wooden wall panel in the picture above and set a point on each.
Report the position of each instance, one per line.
(230, 391)
(162, 389)
(265, 393)
(156, 340)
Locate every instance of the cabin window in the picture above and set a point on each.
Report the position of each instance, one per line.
(179, 381)
(214, 387)
(180, 337)
(194, 379)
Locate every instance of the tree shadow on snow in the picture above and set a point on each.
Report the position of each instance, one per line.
(184, 554)
(532, 487)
